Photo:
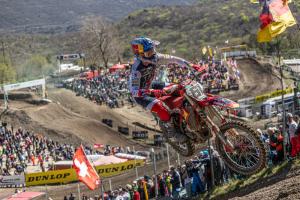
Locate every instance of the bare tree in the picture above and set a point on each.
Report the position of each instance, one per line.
(99, 40)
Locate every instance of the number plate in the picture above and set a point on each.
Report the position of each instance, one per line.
(195, 91)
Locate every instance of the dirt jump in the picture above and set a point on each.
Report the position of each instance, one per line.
(255, 80)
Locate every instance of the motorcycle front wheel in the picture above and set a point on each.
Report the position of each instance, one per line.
(248, 155)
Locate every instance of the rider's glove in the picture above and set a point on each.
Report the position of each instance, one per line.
(157, 93)
(170, 89)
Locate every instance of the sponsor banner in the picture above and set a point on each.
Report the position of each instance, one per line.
(51, 177)
(277, 93)
(70, 56)
(17, 86)
(69, 175)
(12, 181)
(140, 134)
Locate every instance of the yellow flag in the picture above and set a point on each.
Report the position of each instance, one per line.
(145, 190)
(263, 35)
(204, 50)
(210, 51)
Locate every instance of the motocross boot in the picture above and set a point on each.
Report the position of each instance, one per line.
(162, 111)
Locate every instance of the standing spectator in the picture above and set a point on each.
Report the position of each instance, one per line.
(84, 197)
(32, 158)
(161, 185)
(272, 145)
(72, 197)
(41, 162)
(175, 181)
(293, 137)
(279, 147)
(136, 195)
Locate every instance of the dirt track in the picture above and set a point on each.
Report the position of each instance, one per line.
(69, 119)
(255, 80)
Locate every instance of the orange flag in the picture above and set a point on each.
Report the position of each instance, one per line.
(84, 170)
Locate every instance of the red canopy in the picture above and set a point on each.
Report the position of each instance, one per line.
(117, 67)
(25, 196)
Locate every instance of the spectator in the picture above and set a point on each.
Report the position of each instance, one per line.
(136, 195)
(273, 142)
(72, 197)
(176, 183)
(293, 137)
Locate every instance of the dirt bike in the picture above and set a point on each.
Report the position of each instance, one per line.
(201, 116)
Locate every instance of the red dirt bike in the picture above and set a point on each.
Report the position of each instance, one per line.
(201, 116)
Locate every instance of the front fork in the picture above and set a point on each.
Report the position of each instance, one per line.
(211, 111)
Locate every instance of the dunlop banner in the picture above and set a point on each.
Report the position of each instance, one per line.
(69, 175)
(261, 98)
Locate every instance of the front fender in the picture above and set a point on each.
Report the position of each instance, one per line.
(225, 103)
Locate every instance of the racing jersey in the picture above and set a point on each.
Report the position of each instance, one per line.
(142, 75)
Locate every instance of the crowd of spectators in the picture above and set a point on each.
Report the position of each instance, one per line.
(20, 149)
(274, 140)
(185, 181)
(216, 76)
(194, 177)
(110, 88)
(220, 75)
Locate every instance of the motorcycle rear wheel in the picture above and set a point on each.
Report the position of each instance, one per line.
(186, 148)
(249, 155)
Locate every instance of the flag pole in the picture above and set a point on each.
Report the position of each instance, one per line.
(155, 172)
(110, 186)
(136, 169)
(101, 190)
(78, 187)
(168, 156)
(286, 139)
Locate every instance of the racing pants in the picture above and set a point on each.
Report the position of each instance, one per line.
(155, 105)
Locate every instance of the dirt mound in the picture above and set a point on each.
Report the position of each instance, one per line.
(18, 95)
(255, 80)
(67, 119)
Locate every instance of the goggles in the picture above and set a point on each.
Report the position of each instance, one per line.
(149, 54)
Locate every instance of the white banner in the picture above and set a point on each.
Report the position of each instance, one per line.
(12, 181)
(70, 56)
(292, 62)
(27, 84)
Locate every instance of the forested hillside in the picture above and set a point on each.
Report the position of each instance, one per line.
(210, 22)
(185, 29)
(54, 16)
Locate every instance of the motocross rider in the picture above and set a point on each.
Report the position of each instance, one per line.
(147, 60)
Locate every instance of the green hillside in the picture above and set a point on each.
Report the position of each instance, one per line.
(185, 29)
(210, 22)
